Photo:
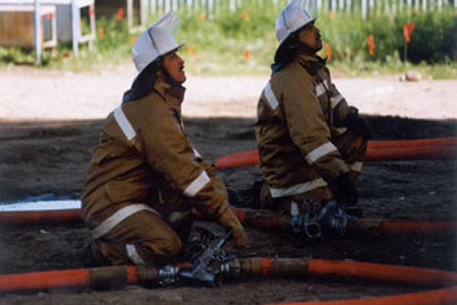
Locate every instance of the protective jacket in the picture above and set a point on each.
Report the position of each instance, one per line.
(300, 115)
(144, 161)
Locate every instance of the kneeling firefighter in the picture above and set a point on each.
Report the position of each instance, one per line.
(145, 177)
(310, 141)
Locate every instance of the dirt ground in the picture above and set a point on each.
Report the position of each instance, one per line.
(50, 121)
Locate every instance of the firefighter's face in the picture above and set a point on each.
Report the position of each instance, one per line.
(174, 65)
(310, 35)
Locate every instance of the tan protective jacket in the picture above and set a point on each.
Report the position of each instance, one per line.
(144, 160)
(299, 113)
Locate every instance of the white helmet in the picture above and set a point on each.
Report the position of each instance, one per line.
(292, 18)
(156, 41)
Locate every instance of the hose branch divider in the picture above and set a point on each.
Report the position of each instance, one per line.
(258, 267)
(401, 150)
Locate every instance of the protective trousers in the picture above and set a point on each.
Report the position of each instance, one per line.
(144, 238)
(351, 146)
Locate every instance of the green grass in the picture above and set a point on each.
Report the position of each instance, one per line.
(219, 43)
(427, 71)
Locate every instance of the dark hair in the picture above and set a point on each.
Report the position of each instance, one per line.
(144, 83)
(286, 52)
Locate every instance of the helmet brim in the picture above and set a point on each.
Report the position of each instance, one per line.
(138, 75)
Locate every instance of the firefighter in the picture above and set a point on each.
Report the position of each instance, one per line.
(145, 177)
(310, 142)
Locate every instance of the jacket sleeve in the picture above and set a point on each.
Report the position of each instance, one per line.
(340, 107)
(308, 128)
(169, 152)
(218, 184)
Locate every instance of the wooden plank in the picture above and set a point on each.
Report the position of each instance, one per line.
(79, 3)
(17, 26)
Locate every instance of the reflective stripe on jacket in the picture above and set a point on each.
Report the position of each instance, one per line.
(299, 112)
(145, 158)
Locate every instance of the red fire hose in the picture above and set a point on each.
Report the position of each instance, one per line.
(385, 273)
(445, 296)
(95, 278)
(263, 219)
(120, 276)
(423, 149)
(449, 141)
(20, 218)
(272, 221)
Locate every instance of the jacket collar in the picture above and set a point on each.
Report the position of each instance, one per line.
(311, 59)
(161, 88)
(173, 95)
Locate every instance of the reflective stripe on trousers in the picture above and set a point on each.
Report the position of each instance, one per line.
(297, 189)
(109, 223)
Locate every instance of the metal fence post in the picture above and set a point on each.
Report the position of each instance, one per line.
(364, 9)
(75, 26)
(152, 6)
(37, 18)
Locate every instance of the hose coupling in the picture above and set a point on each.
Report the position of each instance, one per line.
(168, 275)
(305, 224)
(333, 217)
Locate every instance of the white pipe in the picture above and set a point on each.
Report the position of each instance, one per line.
(364, 9)
(371, 7)
(75, 26)
(37, 33)
(341, 5)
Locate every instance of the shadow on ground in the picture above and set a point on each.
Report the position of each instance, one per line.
(51, 157)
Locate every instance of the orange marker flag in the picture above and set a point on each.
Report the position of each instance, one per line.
(247, 55)
(132, 40)
(329, 51)
(408, 31)
(120, 14)
(244, 16)
(101, 33)
(202, 16)
(192, 50)
(371, 45)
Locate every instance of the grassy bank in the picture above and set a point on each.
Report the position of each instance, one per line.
(243, 42)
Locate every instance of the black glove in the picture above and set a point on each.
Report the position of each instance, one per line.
(358, 125)
(344, 191)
